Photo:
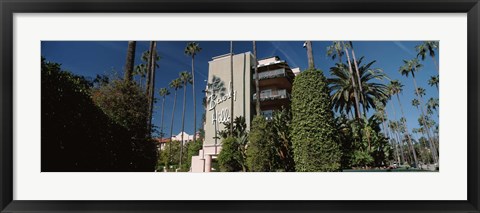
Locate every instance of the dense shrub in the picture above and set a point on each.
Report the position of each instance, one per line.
(260, 148)
(126, 104)
(229, 157)
(192, 150)
(313, 128)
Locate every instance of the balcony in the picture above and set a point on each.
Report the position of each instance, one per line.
(268, 95)
(276, 78)
(271, 74)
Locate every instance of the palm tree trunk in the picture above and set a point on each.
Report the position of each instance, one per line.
(400, 144)
(427, 130)
(231, 88)
(130, 60)
(257, 87)
(149, 66)
(194, 102)
(152, 86)
(391, 138)
(357, 106)
(171, 125)
(410, 144)
(436, 64)
(183, 124)
(311, 64)
(359, 82)
(161, 128)
(399, 141)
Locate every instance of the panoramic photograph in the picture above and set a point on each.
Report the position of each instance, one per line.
(240, 106)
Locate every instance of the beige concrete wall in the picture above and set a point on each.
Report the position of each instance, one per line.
(220, 67)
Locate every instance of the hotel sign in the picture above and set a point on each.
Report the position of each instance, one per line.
(220, 115)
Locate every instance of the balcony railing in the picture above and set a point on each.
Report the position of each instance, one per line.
(271, 74)
(266, 95)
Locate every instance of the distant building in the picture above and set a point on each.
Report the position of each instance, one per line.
(275, 84)
(162, 142)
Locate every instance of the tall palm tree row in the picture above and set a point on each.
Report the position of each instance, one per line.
(186, 79)
(395, 88)
(191, 50)
(411, 67)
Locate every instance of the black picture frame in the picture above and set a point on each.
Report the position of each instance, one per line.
(9, 7)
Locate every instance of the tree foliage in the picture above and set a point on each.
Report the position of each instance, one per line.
(281, 140)
(78, 134)
(313, 127)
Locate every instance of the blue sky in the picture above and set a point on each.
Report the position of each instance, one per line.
(89, 58)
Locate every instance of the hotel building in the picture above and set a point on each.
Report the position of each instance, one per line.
(275, 83)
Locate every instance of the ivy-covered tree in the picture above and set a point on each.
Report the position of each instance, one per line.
(313, 127)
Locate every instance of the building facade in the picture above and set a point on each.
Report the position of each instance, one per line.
(275, 85)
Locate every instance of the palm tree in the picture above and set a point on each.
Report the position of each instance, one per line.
(175, 84)
(163, 93)
(151, 85)
(130, 60)
(215, 89)
(231, 88)
(395, 88)
(185, 78)
(308, 45)
(335, 51)
(141, 70)
(343, 87)
(191, 50)
(415, 103)
(411, 67)
(430, 47)
(257, 88)
(151, 64)
(432, 104)
(433, 81)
